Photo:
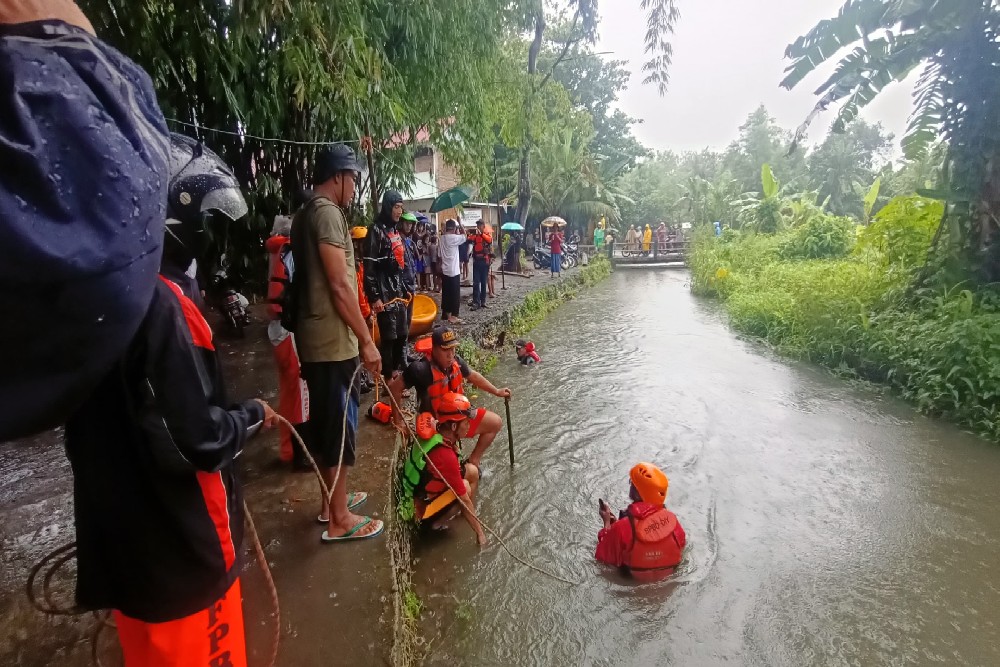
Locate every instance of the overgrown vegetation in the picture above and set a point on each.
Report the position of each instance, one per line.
(850, 304)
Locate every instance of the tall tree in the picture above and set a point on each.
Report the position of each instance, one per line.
(844, 166)
(762, 141)
(957, 42)
(661, 16)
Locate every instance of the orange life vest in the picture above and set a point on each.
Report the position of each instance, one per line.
(276, 246)
(444, 383)
(481, 244)
(655, 552)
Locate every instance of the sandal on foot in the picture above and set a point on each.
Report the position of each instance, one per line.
(354, 499)
(352, 533)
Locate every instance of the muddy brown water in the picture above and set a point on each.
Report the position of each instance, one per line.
(827, 523)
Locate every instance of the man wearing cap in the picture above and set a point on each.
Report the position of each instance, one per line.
(330, 333)
(443, 371)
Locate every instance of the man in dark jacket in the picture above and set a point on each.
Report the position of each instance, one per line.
(159, 514)
(385, 286)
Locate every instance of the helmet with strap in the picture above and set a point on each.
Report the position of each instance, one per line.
(202, 188)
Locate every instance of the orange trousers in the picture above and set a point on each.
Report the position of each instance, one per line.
(212, 637)
(293, 397)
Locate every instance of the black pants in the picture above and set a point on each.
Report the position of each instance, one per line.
(450, 296)
(393, 352)
(330, 396)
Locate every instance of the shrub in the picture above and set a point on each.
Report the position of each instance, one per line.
(902, 232)
(820, 237)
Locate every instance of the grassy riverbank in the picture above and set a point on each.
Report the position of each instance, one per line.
(852, 309)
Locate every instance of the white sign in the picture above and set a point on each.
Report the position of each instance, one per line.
(470, 216)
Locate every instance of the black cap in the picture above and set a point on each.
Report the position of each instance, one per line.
(332, 160)
(445, 337)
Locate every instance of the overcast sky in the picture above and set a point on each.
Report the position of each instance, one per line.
(728, 59)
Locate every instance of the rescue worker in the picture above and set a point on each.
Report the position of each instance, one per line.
(385, 286)
(358, 235)
(81, 210)
(435, 485)
(293, 396)
(526, 352)
(646, 541)
(159, 513)
(481, 241)
(442, 371)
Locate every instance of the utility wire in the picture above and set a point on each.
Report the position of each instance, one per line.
(246, 135)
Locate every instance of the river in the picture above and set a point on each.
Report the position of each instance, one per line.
(827, 523)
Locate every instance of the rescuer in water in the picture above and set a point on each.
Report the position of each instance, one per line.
(436, 486)
(646, 541)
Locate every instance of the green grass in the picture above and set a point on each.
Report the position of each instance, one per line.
(938, 348)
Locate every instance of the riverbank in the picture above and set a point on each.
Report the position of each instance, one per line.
(856, 314)
(353, 588)
(484, 334)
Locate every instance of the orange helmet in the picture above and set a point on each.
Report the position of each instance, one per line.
(453, 407)
(650, 482)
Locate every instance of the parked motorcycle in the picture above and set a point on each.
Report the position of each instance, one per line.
(233, 305)
(543, 258)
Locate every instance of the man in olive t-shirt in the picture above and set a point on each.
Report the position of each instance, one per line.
(330, 332)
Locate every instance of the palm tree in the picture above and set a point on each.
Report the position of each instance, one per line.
(958, 95)
(567, 181)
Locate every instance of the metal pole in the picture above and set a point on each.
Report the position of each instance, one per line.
(510, 433)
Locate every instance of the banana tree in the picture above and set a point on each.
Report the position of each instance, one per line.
(957, 43)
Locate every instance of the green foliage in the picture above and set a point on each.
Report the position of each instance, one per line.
(901, 234)
(412, 605)
(762, 211)
(940, 349)
(820, 237)
(957, 99)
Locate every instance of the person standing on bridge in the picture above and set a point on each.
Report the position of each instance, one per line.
(647, 240)
(647, 540)
(632, 239)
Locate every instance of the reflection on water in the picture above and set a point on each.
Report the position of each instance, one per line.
(826, 525)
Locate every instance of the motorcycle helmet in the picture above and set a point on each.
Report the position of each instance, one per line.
(203, 196)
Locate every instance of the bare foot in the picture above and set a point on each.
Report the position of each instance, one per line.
(340, 529)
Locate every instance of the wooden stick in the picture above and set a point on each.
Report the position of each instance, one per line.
(510, 433)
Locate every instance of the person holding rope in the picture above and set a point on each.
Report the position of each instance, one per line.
(647, 540)
(331, 334)
(159, 516)
(386, 283)
(442, 372)
(433, 480)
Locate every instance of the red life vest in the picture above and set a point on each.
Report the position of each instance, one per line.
(444, 383)
(655, 552)
(397, 246)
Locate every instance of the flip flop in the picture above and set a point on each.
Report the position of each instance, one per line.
(354, 499)
(351, 534)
